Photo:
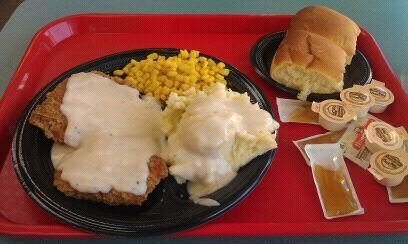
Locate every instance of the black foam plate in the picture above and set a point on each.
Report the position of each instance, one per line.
(167, 209)
(262, 52)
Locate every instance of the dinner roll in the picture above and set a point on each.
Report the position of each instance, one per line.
(309, 63)
(329, 24)
(312, 57)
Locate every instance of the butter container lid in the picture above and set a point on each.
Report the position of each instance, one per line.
(334, 111)
(389, 164)
(385, 136)
(382, 95)
(358, 97)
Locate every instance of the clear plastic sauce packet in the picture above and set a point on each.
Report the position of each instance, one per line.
(398, 194)
(335, 189)
(291, 110)
(326, 138)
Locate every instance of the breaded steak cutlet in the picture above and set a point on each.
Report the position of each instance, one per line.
(48, 117)
(157, 171)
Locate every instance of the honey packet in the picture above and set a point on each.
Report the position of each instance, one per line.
(335, 189)
(326, 138)
(398, 194)
(353, 141)
(291, 110)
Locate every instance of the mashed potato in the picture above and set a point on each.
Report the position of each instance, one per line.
(211, 134)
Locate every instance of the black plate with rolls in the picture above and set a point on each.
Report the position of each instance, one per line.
(262, 52)
(167, 208)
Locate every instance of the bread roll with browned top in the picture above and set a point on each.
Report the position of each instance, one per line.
(315, 51)
(308, 62)
(329, 24)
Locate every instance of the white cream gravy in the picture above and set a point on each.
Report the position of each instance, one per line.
(112, 134)
(198, 150)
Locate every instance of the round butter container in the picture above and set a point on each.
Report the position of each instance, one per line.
(382, 136)
(359, 99)
(333, 114)
(389, 167)
(383, 97)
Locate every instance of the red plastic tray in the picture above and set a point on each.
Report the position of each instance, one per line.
(284, 203)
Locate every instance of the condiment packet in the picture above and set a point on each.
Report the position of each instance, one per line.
(335, 189)
(326, 138)
(383, 97)
(389, 168)
(353, 141)
(291, 110)
(398, 194)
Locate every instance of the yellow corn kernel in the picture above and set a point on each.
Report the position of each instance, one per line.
(155, 84)
(202, 59)
(153, 56)
(184, 54)
(205, 77)
(204, 72)
(197, 87)
(148, 89)
(163, 97)
(167, 63)
(173, 65)
(146, 76)
(211, 79)
(212, 83)
(211, 62)
(224, 72)
(218, 76)
(184, 87)
(171, 73)
(118, 72)
(177, 84)
(140, 87)
(162, 78)
(128, 66)
(179, 77)
(166, 90)
(157, 91)
(193, 79)
(134, 62)
(169, 83)
(211, 72)
(186, 79)
(220, 65)
(179, 92)
(126, 70)
(194, 54)
(204, 87)
(157, 97)
(149, 94)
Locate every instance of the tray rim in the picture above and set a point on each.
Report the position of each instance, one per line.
(10, 228)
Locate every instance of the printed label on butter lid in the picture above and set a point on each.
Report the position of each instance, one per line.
(381, 94)
(357, 96)
(334, 110)
(389, 163)
(384, 135)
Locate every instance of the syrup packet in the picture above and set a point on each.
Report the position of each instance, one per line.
(398, 194)
(326, 138)
(291, 110)
(353, 141)
(335, 189)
